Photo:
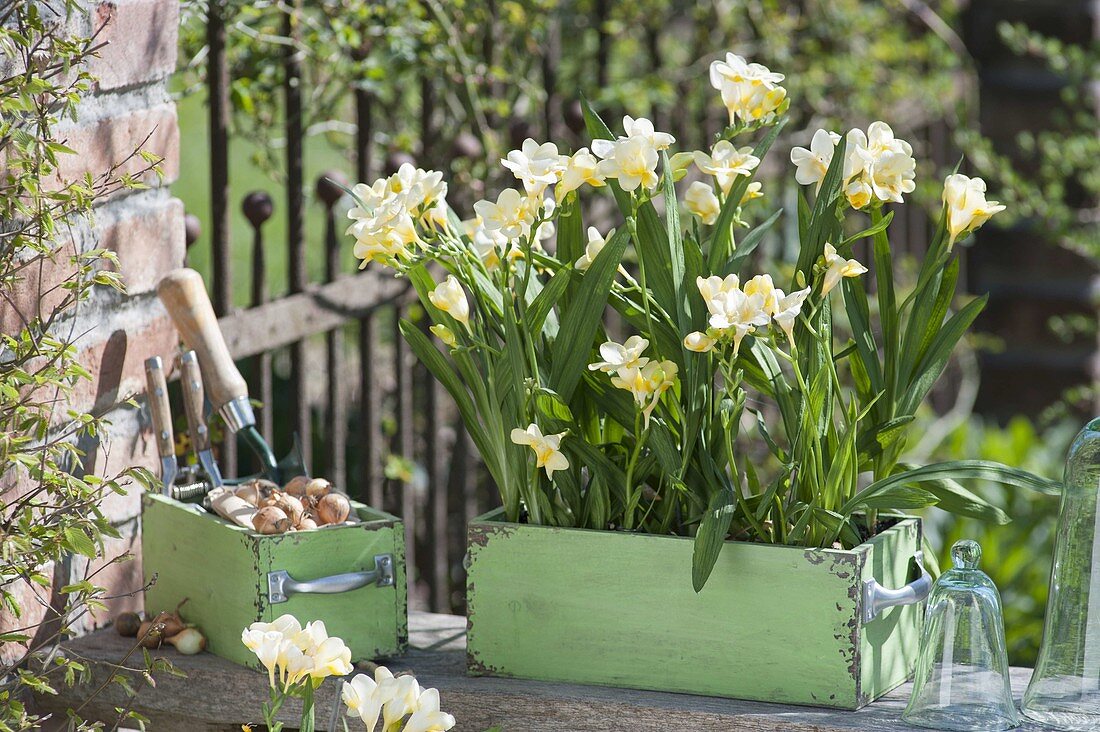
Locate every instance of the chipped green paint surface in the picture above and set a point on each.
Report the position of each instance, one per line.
(222, 570)
(773, 623)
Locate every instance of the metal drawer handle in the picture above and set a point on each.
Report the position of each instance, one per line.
(280, 585)
(877, 598)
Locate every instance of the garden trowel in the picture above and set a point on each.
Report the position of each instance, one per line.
(184, 296)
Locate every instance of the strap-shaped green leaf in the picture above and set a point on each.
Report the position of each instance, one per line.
(954, 470)
(712, 533)
(939, 352)
(582, 317)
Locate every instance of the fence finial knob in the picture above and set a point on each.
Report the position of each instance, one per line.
(257, 207)
(192, 229)
(330, 187)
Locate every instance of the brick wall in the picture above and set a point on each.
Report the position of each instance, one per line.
(130, 106)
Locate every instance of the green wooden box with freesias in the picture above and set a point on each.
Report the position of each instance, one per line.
(777, 624)
(232, 577)
(694, 489)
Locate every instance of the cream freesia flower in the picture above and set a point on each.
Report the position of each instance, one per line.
(617, 356)
(595, 245)
(859, 193)
(427, 717)
(267, 645)
(331, 657)
(787, 308)
(702, 202)
(967, 207)
(736, 69)
(646, 383)
(699, 342)
(286, 624)
(444, 334)
(361, 697)
(812, 163)
(511, 214)
(837, 267)
(763, 286)
(401, 693)
(643, 128)
(713, 285)
(538, 166)
(579, 168)
(755, 190)
(545, 447)
(892, 168)
(750, 91)
(449, 297)
(736, 314)
(632, 161)
(726, 162)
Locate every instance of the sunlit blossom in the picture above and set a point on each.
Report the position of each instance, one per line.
(726, 162)
(621, 355)
(837, 267)
(595, 245)
(510, 214)
(646, 382)
(579, 168)
(538, 166)
(701, 201)
(449, 297)
(546, 448)
(967, 207)
(699, 342)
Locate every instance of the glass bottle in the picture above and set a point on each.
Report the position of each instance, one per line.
(1064, 692)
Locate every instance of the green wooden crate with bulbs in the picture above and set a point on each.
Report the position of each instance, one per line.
(351, 576)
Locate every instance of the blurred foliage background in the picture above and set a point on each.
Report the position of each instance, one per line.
(455, 84)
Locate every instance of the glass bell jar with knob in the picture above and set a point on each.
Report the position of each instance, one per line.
(1064, 692)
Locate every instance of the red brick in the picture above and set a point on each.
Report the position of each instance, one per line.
(141, 38)
(37, 292)
(115, 356)
(149, 243)
(107, 142)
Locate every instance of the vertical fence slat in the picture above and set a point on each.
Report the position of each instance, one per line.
(330, 188)
(218, 89)
(403, 447)
(258, 208)
(371, 486)
(296, 261)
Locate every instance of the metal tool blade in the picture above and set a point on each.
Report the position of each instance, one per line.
(160, 414)
(193, 402)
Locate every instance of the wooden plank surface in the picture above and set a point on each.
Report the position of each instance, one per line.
(218, 695)
(317, 309)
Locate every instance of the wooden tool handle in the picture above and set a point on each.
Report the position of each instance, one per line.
(191, 383)
(160, 412)
(184, 296)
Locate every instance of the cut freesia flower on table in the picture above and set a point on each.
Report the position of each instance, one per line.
(580, 430)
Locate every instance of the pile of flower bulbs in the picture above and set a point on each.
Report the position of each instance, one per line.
(302, 504)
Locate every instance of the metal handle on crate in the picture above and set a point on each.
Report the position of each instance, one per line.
(280, 585)
(877, 598)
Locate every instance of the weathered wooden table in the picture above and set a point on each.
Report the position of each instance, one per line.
(218, 695)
